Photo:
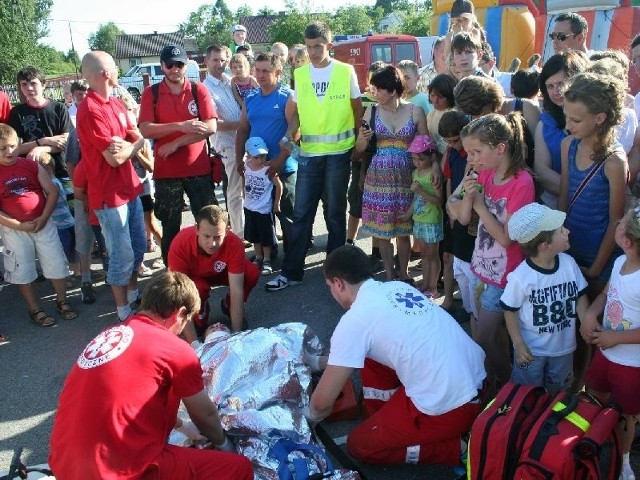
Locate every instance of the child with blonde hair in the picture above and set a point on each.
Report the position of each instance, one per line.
(242, 82)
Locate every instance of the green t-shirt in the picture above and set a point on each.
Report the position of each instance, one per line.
(423, 211)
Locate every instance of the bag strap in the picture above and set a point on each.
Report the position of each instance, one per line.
(373, 116)
(586, 180)
(281, 450)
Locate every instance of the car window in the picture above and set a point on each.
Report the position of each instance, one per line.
(159, 71)
(381, 52)
(405, 51)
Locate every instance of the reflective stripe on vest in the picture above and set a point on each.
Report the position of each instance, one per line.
(326, 126)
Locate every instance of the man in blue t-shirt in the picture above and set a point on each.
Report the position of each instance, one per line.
(267, 111)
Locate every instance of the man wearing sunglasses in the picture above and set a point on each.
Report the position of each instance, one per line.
(179, 123)
(570, 33)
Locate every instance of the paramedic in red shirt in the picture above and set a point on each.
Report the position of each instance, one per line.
(120, 400)
(210, 254)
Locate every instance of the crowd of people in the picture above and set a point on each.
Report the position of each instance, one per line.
(517, 186)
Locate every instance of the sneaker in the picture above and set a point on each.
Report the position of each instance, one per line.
(266, 268)
(157, 263)
(627, 472)
(258, 261)
(280, 283)
(87, 292)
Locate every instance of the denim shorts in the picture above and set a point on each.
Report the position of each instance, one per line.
(489, 295)
(553, 373)
(125, 238)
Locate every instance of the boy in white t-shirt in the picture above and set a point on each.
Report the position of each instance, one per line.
(260, 202)
(543, 299)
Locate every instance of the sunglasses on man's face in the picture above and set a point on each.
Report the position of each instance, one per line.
(174, 64)
(561, 37)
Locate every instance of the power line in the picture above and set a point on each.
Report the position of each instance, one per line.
(119, 23)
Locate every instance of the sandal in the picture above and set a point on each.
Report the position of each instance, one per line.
(65, 310)
(41, 319)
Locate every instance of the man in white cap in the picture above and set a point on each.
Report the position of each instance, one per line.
(239, 33)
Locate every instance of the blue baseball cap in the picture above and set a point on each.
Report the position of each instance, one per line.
(255, 146)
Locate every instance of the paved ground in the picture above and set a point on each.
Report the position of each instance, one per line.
(35, 362)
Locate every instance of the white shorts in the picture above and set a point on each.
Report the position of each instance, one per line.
(20, 250)
(463, 275)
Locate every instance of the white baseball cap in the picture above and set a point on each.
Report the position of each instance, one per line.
(525, 224)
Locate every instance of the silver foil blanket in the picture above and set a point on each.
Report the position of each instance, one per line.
(259, 380)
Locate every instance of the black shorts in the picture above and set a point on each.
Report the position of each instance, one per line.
(258, 228)
(147, 203)
(447, 243)
(354, 194)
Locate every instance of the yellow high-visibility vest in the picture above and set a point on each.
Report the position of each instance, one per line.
(326, 126)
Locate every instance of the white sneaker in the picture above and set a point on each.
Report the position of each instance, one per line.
(627, 472)
(280, 283)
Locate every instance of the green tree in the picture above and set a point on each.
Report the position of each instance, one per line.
(352, 20)
(105, 37)
(417, 21)
(289, 28)
(210, 23)
(23, 23)
(54, 62)
(243, 11)
(266, 11)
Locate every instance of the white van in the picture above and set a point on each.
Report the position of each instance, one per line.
(132, 80)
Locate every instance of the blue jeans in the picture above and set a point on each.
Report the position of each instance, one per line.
(287, 202)
(125, 239)
(328, 174)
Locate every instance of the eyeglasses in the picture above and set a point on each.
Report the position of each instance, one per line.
(561, 37)
(174, 64)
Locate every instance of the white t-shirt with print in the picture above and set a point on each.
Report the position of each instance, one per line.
(622, 313)
(320, 79)
(546, 304)
(439, 365)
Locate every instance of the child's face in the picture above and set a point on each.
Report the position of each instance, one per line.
(466, 60)
(438, 101)
(32, 89)
(300, 61)
(482, 156)
(257, 160)
(621, 228)
(422, 160)
(580, 122)
(559, 241)
(8, 150)
(411, 81)
(239, 37)
(454, 142)
(239, 69)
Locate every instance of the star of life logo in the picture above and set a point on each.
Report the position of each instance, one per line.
(107, 346)
(219, 266)
(175, 52)
(193, 109)
(409, 302)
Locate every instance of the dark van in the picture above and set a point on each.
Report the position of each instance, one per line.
(362, 51)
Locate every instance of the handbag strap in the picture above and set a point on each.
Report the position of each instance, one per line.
(586, 180)
(373, 116)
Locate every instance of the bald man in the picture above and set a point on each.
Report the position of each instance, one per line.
(108, 141)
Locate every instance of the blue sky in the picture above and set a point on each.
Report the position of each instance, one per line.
(163, 16)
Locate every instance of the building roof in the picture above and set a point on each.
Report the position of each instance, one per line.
(258, 27)
(149, 44)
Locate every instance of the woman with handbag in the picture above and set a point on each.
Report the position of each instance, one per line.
(387, 186)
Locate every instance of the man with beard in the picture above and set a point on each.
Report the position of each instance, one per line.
(179, 117)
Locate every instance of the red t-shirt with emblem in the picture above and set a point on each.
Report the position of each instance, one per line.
(186, 257)
(98, 121)
(120, 401)
(21, 195)
(190, 160)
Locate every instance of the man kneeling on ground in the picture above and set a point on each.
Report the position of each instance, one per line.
(120, 401)
(421, 373)
(210, 255)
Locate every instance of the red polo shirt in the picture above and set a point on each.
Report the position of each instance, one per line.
(190, 160)
(185, 256)
(98, 121)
